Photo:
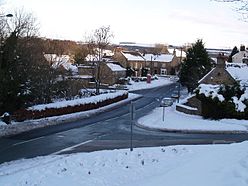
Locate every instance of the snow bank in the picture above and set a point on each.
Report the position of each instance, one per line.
(215, 165)
(144, 85)
(178, 121)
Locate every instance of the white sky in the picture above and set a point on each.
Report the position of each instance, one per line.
(142, 21)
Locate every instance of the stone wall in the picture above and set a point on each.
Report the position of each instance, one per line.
(182, 108)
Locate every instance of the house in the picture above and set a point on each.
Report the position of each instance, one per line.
(106, 55)
(227, 74)
(239, 72)
(219, 74)
(241, 56)
(131, 60)
(109, 72)
(179, 53)
(140, 64)
(162, 64)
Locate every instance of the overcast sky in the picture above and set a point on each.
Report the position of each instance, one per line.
(141, 21)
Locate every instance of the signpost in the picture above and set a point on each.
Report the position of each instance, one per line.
(132, 113)
(166, 102)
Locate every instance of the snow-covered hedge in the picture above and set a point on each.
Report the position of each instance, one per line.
(220, 101)
(67, 107)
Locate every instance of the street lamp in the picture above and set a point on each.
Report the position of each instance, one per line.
(7, 15)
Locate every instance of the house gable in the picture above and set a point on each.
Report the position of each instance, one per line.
(219, 74)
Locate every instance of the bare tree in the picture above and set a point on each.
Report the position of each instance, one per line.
(23, 24)
(241, 6)
(25, 78)
(97, 43)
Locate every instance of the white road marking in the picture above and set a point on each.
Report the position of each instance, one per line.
(19, 143)
(72, 147)
(77, 145)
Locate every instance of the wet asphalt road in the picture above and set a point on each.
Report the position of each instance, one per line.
(108, 130)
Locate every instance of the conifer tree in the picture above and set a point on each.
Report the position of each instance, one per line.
(195, 66)
(234, 51)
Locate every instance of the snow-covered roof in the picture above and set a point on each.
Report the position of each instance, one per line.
(137, 44)
(61, 60)
(115, 67)
(206, 75)
(239, 72)
(159, 58)
(178, 52)
(237, 58)
(132, 56)
(95, 57)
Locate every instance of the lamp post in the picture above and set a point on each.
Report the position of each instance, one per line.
(7, 15)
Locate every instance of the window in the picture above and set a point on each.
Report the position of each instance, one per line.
(163, 71)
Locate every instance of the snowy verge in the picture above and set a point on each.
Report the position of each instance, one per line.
(179, 122)
(154, 83)
(18, 127)
(193, 165)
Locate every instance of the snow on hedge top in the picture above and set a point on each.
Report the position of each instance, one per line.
(210, 91)
(93, 99)
(239, 105)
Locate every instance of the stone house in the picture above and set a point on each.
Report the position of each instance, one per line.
(161, 64)
(241, 56)
(179, 53)
(218, 75)
(130, 60)
(109, 74)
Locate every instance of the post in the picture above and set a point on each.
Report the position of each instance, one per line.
(163, 112)
(132, 109)
(178, 94)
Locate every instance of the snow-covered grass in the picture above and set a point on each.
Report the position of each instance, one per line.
(175, 120)
(215, 165)
(161, 81)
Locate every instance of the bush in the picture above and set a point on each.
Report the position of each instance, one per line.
(24, 114)
(212, 108)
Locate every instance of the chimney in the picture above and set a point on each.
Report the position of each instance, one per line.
(221, 61)
(242, 47)
(174, 52)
